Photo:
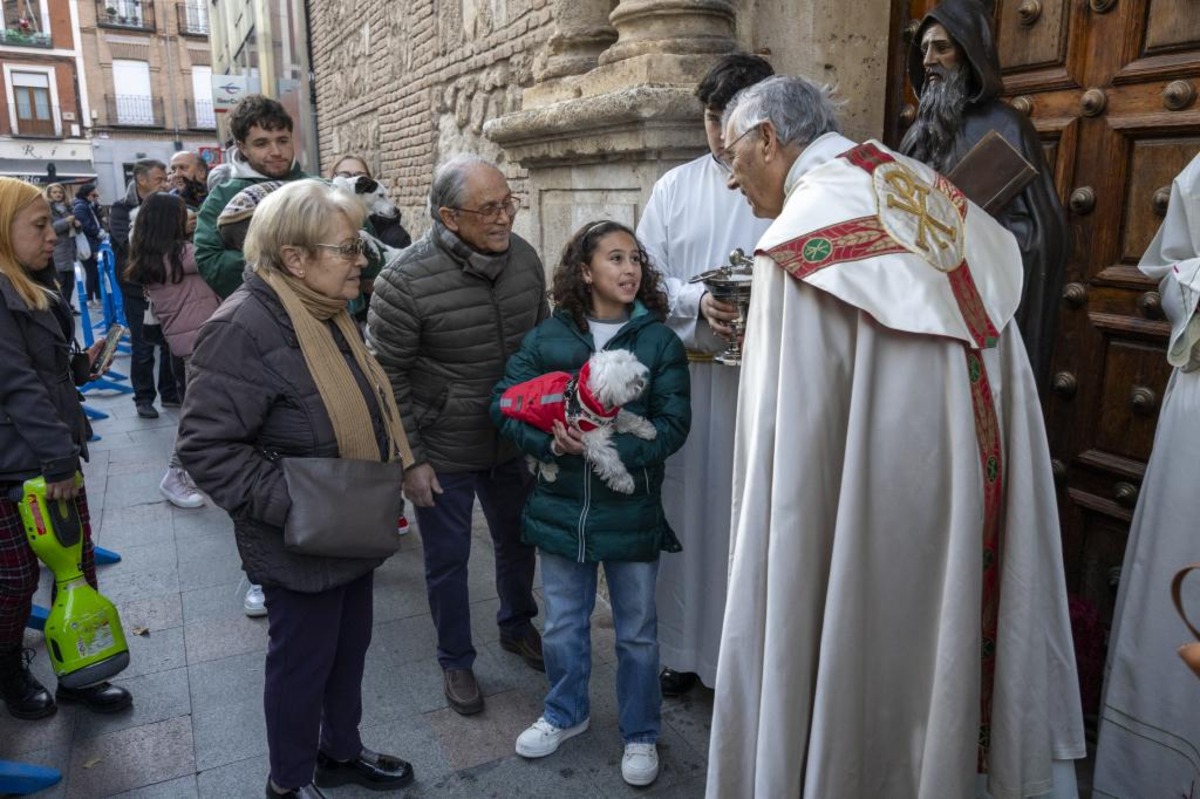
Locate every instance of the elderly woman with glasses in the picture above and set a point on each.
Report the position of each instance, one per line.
(279, 372)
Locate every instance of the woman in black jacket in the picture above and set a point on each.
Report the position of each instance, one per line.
(87, 201)
(280, 372)
(42, 432)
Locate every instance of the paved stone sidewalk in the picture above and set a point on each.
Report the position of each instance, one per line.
(196, 728)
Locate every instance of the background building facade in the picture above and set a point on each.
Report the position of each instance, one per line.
(44, 105)
(148, 71)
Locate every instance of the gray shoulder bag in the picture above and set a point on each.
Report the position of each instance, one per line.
(343, 508)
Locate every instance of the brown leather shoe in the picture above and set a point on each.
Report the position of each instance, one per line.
(462, 691)
(528, 645)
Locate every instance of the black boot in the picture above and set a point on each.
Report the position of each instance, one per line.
(101, 698)
(23, 695)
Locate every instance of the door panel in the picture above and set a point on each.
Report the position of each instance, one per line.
(1113, 94)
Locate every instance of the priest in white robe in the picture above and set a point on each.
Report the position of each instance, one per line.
(691, 224)
(896, 624)
(1149, 742)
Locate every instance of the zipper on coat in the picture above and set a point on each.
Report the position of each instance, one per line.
(503, 360)
(587, 504)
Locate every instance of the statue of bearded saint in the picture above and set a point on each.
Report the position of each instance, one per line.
(940, 108)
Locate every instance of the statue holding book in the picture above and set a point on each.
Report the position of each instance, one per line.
(955, 73)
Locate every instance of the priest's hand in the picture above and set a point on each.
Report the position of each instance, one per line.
(420, 484)
(568, 440)
(718, 314)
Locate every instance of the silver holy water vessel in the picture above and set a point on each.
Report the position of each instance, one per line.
(731, 284)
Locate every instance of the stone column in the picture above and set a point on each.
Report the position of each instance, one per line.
(582, 33)
(671, 27)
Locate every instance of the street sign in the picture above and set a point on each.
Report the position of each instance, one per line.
(227, 90)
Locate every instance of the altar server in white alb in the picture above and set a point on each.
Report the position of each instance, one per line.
(1150, 721)
(691, 224)
(897, 623)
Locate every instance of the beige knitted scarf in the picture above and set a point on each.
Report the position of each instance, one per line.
(344, 402)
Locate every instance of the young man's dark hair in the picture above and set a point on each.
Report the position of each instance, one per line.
(257, 109)
(729, 76)
(143, 166)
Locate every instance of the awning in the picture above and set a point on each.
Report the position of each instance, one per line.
(34, 170)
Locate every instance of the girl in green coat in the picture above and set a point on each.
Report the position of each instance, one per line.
(606, 296)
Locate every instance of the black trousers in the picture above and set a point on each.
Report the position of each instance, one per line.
(313, 692)
(144, 340)
(92, 271)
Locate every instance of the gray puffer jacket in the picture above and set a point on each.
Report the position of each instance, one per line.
(443, 324)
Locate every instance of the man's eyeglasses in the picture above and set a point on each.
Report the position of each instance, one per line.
(729, 153)
(491, 212)
(349, 250)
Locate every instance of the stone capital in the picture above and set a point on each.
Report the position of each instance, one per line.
(630, 123)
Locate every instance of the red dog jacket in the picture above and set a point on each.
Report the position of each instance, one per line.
(556, 396)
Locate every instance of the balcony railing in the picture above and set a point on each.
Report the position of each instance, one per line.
(193, 17)
(136, 15)
(200, 115)
(15, 37)
(134, 111)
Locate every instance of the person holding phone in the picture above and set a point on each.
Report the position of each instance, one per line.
(42, 432)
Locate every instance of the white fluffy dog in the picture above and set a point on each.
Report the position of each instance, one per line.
(592, 402)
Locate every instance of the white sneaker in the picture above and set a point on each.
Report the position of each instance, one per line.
(639, 766)
(543, 737)
(255, 603)
(176, 487)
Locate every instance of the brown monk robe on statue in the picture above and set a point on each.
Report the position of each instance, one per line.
(955, 73)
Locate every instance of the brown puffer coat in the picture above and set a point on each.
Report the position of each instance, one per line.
(443, 328)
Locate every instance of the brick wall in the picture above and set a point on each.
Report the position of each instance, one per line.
(408, 83)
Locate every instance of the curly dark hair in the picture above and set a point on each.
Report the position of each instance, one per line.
(257, 109)
(729, 76)
(572, 294)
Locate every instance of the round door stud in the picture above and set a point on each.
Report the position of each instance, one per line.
(1143, 400)
(1082, 200)
(1178, 95)
(1151, 305)
(1074, 295)
(1024, 104)
(1093, 102)
(1126, 494)
(1029, 11)
(1101, 6)
(1058, 469)
(1065, 385)
(908, 114)
(1161, 198)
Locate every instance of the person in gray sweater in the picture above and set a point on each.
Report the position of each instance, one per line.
(445, 317)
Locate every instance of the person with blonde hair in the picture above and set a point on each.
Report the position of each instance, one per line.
(280, 375)
(62, 215)
(42, 433)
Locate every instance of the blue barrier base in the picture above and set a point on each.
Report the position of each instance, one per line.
(20, 779)
(37, 618)
(106, 556)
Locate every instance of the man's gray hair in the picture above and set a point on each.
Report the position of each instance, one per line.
(450, 182)
(800, 110)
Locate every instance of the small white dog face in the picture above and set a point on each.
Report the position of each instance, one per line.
(370, 193)
(617, 377)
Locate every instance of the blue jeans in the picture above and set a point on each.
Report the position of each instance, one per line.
(446, 535)
(570, 590)
(144, 340)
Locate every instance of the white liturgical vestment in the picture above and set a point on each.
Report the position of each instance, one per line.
(1149, 742)
(897, 614)
(691, 224)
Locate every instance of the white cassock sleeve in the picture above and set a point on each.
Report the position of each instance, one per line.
(655, 233)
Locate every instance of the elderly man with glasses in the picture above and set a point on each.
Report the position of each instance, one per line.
(446, 315)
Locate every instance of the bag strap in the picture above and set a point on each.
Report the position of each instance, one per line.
(1176, 590)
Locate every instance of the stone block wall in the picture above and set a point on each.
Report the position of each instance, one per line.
(408, 83)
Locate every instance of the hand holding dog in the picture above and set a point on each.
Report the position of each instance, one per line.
(568, 440)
